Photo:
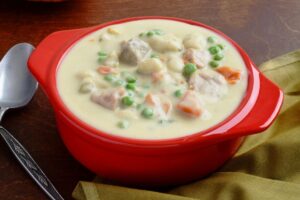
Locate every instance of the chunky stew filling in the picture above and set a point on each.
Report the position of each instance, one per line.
(159, 78)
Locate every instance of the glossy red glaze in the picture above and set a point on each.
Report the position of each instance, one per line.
(153, 162)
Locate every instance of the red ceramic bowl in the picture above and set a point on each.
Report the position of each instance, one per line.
(153, 162)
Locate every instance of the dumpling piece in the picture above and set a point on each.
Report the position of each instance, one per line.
(150, 65)
(164, 43)
(86, 74)
(198, 57)
(112, 60)
(109, 98)
(194, 41)
(134, 51)
(175, 63)
(209, 83)
(87, 86)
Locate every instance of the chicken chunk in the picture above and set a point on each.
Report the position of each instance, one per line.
(190, 104)
(134, 51)
(231, 75)
(209, 83)
(194, 41)
(161, 105)
(109, 98)
(150, 65)
(198, 57)
(161, 77)
(163, 43)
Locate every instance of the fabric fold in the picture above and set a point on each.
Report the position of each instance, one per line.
(266, 167)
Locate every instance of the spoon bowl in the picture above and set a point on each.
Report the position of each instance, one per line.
(17, 85)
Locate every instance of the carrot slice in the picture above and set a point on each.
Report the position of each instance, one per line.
(189, 110)
(150, 99)
(107, 70)
(231, 75)
(189, 104)
(167, 106)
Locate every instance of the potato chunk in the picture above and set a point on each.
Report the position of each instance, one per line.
(163, 43)
(150, 65)
(134, 51)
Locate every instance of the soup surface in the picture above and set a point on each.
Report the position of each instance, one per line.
(152, 79)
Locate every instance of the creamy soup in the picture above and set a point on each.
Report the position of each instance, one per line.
(152, 79)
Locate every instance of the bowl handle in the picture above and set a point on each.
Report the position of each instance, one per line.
(264, 111)
(44, 55)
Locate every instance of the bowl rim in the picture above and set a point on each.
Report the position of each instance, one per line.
(216, 132)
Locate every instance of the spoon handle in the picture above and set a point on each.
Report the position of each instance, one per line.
(30, 165)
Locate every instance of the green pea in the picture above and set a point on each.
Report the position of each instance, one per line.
(101, 56)
(213, 64)
(123, 124)
(158, 32)
(101, 53)
(221, 46)
(110, 78)
(141, 34)
(189, 69)
(147, 113)
(154, 56)
(211, 39)
(127, 101)
(214, 50)
(178, 93)
(130, 86)
(150, 33)
(218, 56)
(130, 79)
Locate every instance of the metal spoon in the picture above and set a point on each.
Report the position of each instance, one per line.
(17, 87)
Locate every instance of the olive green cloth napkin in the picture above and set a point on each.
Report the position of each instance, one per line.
(267, 166)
